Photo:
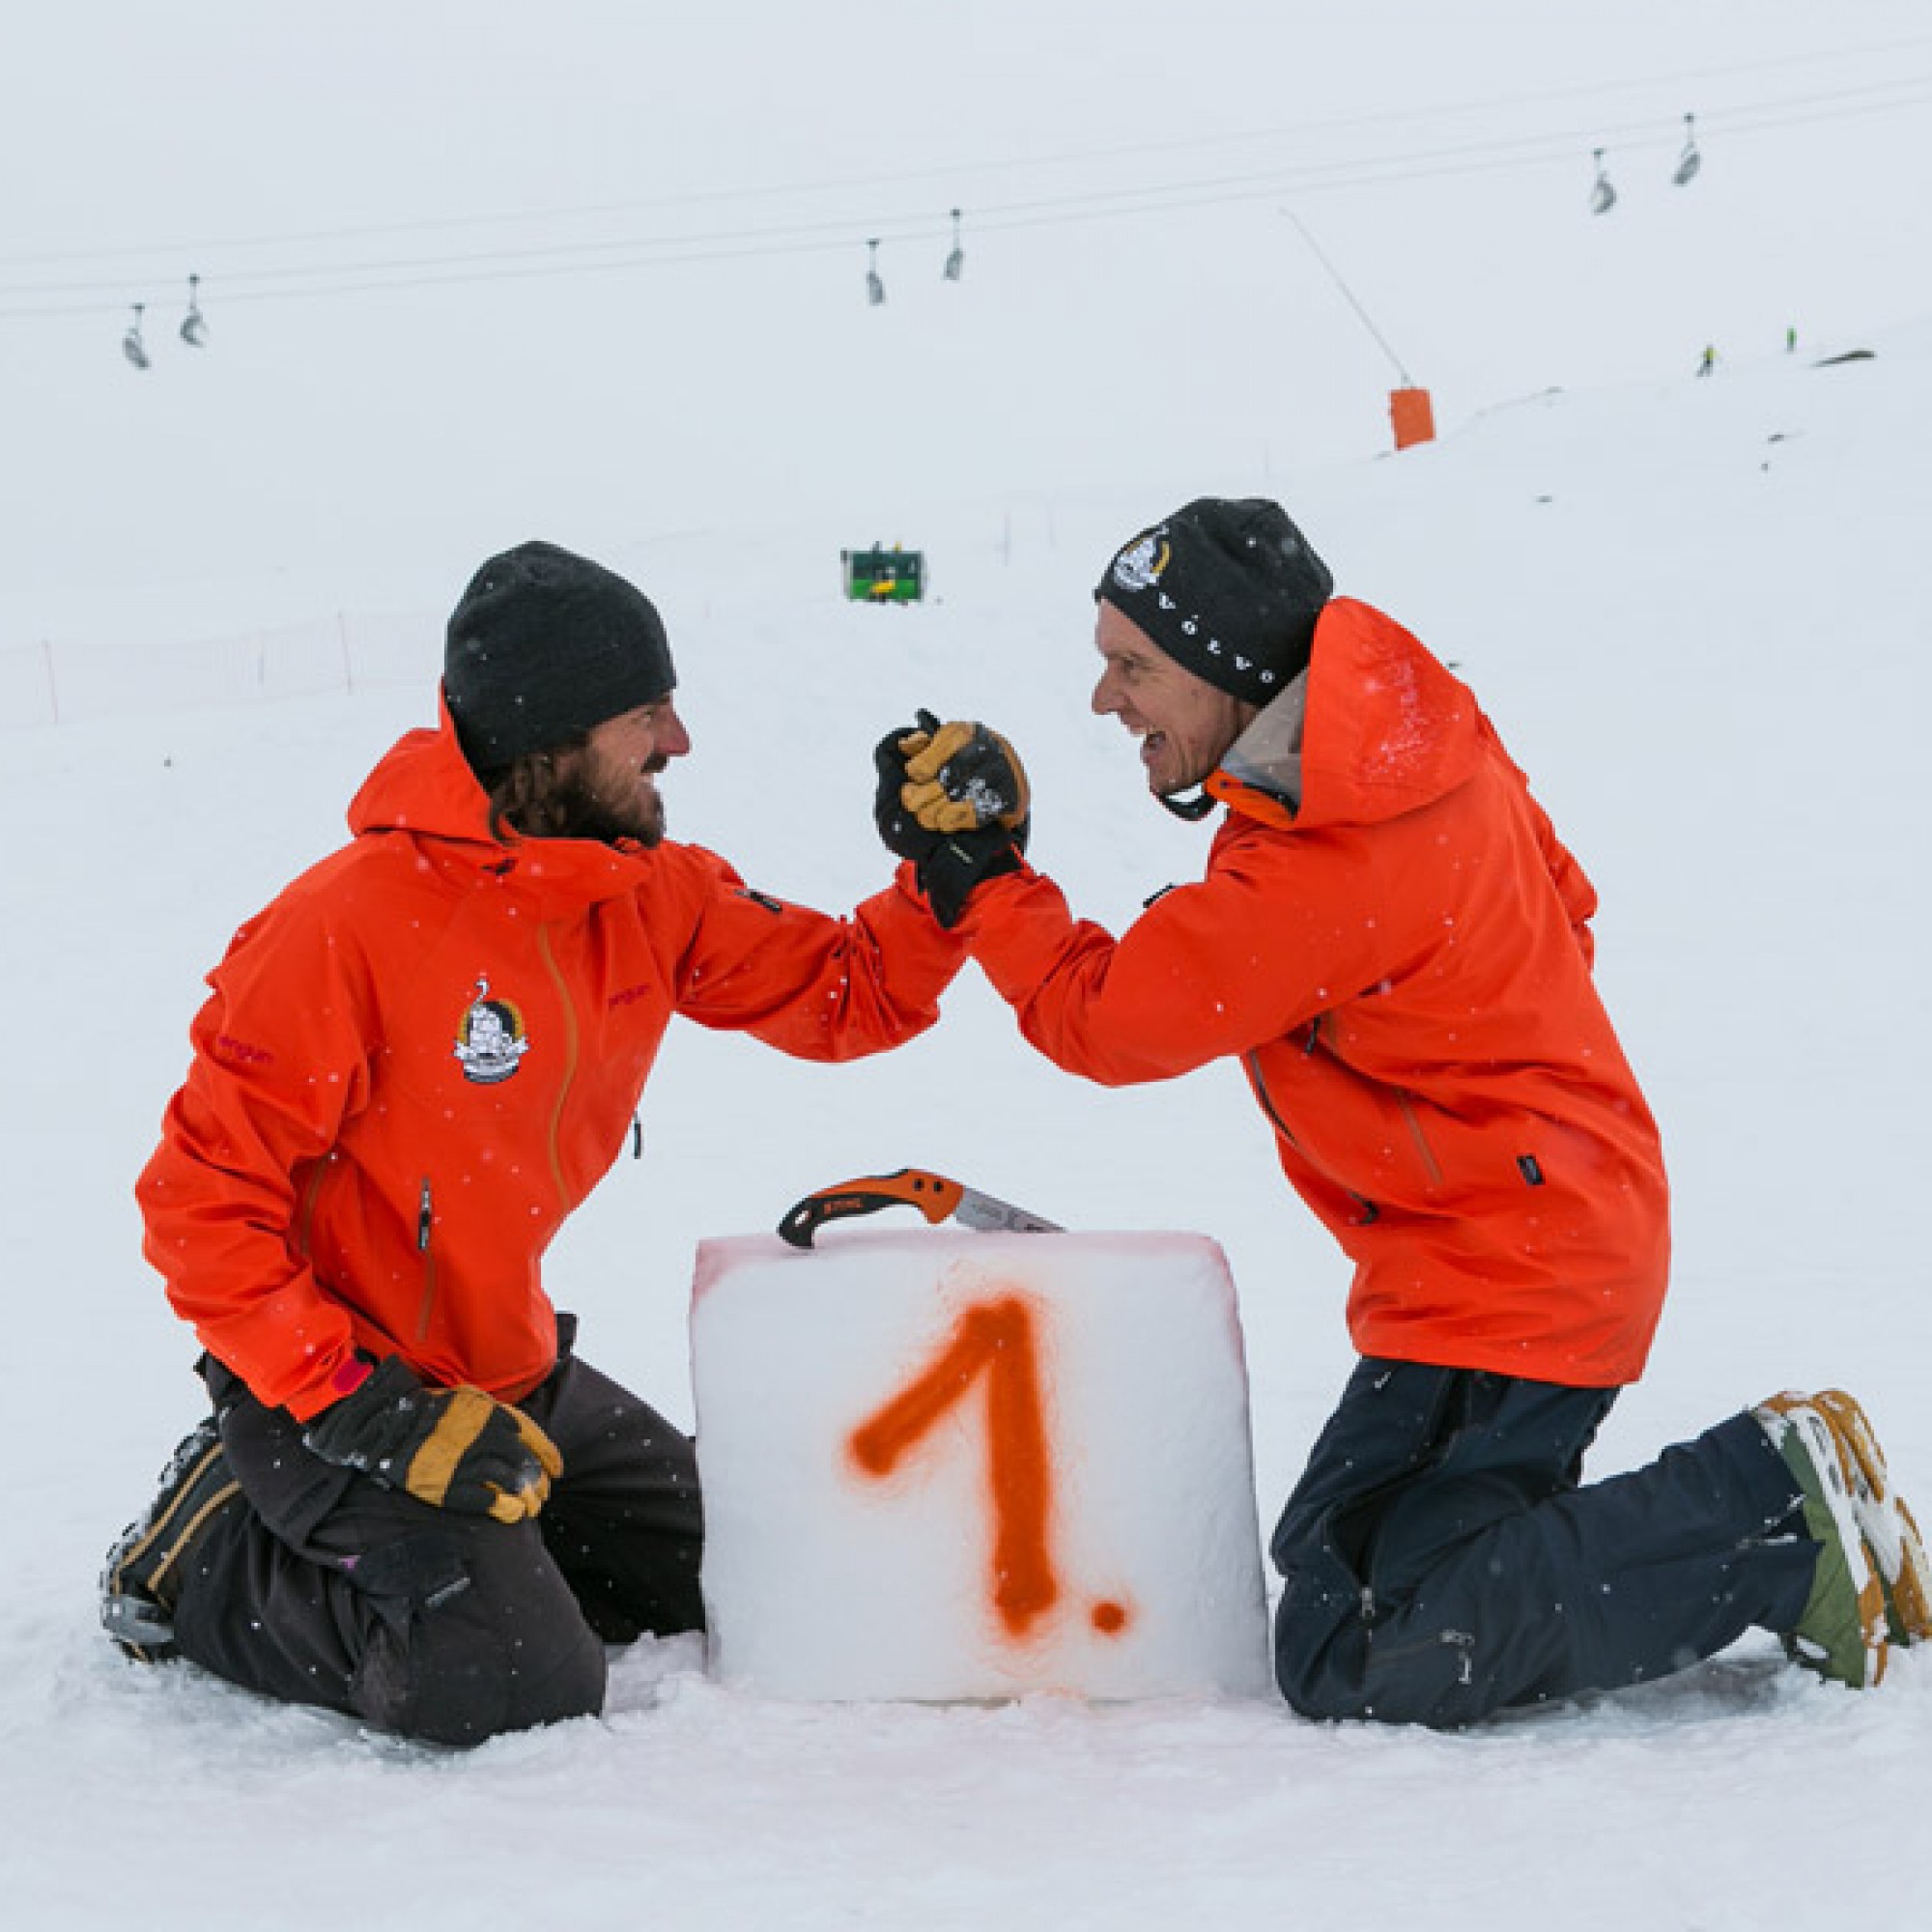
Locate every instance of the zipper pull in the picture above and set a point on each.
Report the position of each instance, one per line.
(424, 1219)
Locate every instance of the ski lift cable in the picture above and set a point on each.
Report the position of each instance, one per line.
(908, 228)
(1367, 171)
(509, 267)
(983, 167)
(643, 253)
(636, 249)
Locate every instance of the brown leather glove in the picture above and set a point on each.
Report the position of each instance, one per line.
(456, 1448)
(963, 777)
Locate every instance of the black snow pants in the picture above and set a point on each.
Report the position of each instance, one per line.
(333, 1590)
(1441, 1561)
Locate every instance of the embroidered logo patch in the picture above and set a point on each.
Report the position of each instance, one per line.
(1139, 566)
(490, 1041)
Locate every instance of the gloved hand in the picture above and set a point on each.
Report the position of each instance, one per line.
(965, 778)
(956, 838)
(456, 1448)
(897, 825)
(955, 865)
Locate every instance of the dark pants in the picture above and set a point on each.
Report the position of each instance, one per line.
(331, 1590)
(1441, 1562)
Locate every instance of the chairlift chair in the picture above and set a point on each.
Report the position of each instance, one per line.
(875, 288)
(194, 325)
(131, 344)
(956, 262)
(1602, 196)
(1689, 161)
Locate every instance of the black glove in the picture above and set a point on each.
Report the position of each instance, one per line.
(457, 1448)
(899, 826)
(956, 864)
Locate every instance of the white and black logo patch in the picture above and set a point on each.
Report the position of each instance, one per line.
(1139, 566)
(490, 1038)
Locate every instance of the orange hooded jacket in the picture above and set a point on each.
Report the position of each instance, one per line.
(428, 1049)
(1401, 957)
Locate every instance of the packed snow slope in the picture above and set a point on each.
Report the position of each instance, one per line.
(1696, 610)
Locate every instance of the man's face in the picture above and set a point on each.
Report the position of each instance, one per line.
(612, 782)
(1183, 722)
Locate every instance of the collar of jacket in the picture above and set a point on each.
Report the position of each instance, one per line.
(422, 789)
(1260, 772)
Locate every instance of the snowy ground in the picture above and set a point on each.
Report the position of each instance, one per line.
(1697, 611)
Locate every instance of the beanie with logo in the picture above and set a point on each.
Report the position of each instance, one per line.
(1229, 590)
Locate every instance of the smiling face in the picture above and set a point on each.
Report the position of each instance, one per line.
(613, 777)
(1183, 722)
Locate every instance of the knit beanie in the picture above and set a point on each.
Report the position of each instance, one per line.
(544, 645)
(1229, 590)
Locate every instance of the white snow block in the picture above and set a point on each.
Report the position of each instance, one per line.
(944, 1466)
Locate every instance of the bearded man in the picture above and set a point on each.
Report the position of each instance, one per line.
(414, 1503)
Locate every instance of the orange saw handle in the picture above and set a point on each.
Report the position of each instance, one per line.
(932, 1194)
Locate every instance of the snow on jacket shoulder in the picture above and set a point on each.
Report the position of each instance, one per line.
(427, 1050)
(1401, 958)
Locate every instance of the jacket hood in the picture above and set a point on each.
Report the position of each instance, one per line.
(424, 784)
(424, 789)
(1376, 726)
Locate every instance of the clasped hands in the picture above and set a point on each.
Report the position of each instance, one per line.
(953, 798)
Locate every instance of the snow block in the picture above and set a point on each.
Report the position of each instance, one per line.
(943, 1466)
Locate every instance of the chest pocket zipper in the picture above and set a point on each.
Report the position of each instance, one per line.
(425, 1226)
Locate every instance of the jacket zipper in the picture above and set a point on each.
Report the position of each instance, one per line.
(425, 1226)
(1252, 1062)
(305, 1220)
(570, 1049)
(1432, 1167)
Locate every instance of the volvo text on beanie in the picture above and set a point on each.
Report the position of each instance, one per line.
(544, 645)
(1229, 590)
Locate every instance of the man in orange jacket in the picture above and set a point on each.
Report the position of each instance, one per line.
(414, 1503)
(1393, 941)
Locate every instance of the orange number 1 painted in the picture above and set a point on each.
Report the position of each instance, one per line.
(993, 1341)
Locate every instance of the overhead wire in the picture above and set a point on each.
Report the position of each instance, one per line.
(958, 171)
(242, 283)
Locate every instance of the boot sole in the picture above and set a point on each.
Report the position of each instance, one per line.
(1886, 1522)
(1830, 1457)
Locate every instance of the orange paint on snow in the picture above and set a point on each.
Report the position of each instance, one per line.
(993, 1341)
(1109, 1619)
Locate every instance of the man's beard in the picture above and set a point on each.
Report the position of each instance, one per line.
(580, 812)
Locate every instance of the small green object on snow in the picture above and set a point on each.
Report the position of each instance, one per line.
(882, 576)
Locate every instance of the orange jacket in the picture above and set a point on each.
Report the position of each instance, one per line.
(429, 1048)
(1403, 964)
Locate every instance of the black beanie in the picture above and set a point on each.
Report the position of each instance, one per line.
(544, 645)
(1229, 590)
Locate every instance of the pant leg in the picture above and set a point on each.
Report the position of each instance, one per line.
(1441, 1562)
(330, 1589)
(624, 1523)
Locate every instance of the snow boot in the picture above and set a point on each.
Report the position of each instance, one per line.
(1841, 1631)
(141, 1582)
(1883, 1521)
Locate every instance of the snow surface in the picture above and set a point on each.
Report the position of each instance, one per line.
(1696, 609)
